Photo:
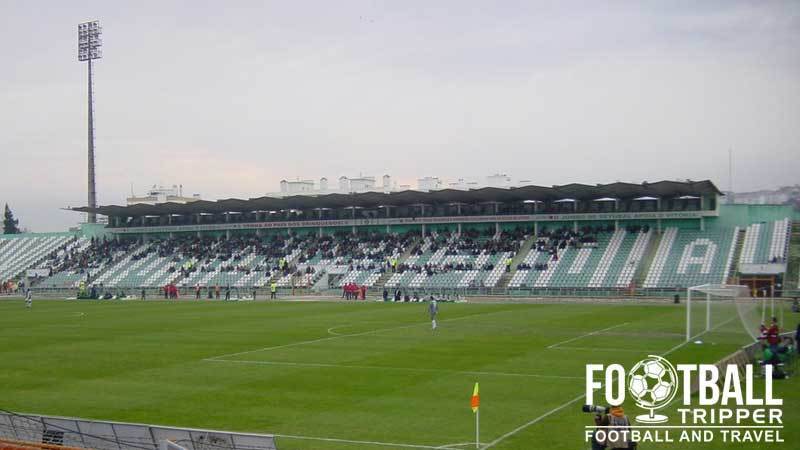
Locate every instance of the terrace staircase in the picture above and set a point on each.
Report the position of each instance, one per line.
(647, 260)
(401, 259)
(792, 278)
(502, 283)
(737, 253)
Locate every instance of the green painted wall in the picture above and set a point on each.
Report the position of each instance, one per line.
(744, 215)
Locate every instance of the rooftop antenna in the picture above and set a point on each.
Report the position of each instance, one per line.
(730, 170)
(89, 48)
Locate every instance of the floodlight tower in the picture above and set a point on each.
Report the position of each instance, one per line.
(89, 48)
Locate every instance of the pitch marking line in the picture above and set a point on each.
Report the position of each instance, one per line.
(348, 441)
(592, 333)
(340, 336)
(698, 335)
(404, 369)
(462, 444)
(527, 424)
(559, 408)
(607, 349)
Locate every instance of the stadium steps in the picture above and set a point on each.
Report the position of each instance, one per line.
(647, 260)
(737, 253)
(792, 278)
(400, 260)
(505, 279)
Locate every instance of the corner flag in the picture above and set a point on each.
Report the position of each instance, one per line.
(475, 402)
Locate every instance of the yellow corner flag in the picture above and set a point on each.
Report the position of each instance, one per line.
(475, 402)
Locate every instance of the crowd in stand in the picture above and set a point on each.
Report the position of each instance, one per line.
(553, 242)
(470, 243)
(69, 258)
(8, 287)
(366, 251)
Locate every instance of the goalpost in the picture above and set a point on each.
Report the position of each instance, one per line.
(733, 304)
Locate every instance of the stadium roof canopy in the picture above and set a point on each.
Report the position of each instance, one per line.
(580, 192)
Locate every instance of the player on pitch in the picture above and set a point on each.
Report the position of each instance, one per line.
(433, 309)
(29, 299)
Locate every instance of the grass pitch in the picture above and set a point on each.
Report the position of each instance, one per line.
(343, 376)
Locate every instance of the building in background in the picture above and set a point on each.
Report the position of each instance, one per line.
(344, 185)
(785, 195)
(161, 194)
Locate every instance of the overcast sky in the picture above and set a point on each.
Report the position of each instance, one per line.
(228, 98)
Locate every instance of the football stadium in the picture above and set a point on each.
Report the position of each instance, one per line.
(370, 315)
(307, 318)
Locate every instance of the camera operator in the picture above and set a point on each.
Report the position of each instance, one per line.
(611, 419)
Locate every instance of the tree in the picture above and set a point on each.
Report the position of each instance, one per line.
(9, 222)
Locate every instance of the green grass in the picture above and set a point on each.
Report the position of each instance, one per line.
(352, 371)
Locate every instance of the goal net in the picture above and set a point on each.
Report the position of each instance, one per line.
(722, 312)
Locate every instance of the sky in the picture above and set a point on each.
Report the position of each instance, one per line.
(228, 98)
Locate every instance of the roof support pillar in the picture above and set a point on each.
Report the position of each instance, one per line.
(702, 224)
(459, 229)
(574, 226)
(423, 230)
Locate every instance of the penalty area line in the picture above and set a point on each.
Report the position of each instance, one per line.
(553, 411)
(592, 333)
(607, 349)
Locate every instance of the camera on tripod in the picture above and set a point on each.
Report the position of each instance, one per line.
(599, 410)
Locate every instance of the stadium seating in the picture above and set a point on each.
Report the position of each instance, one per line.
(457, 261)
(598, 258)
(24, 252)
(766, 242)
(688, 258)
(610, 261)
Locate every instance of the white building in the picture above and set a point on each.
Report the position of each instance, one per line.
(780, 196)
(429, 184)
(161, 194)
(344, 185)
(359, 184)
